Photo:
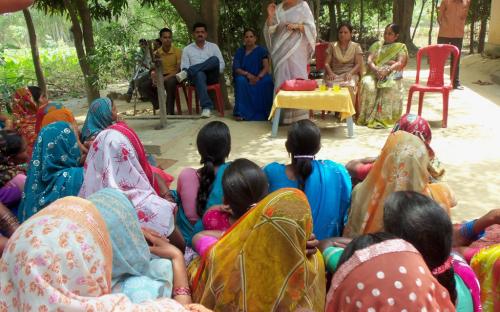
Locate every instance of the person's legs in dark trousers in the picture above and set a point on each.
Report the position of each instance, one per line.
(457, 42)
(204, 74)
(170, 86)
(148, 90)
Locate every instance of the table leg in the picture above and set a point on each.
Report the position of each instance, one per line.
(276, 122)
(350, 127)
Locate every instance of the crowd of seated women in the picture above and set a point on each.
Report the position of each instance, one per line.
(88, 224)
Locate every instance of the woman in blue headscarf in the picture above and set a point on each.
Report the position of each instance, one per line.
(102, 114)
(55, 170)
(134, 272)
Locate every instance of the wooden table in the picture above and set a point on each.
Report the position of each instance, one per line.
(329, 100)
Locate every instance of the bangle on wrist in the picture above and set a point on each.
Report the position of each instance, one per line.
(181, 291)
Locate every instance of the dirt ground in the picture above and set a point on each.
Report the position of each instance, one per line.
(469, 148)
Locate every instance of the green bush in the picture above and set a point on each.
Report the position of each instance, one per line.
(60, 66)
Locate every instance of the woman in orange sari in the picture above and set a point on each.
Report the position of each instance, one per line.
(25, 104)
(402, 166)
(270, 238)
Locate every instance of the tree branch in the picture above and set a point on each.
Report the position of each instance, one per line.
(187, 11)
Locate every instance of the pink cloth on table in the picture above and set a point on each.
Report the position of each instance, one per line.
(216, 220)
(203, 244)
(188, 184)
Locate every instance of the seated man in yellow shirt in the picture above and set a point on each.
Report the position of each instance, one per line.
(171, 60)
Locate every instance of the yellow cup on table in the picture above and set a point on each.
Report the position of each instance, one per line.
(336, 88)
(323, 87)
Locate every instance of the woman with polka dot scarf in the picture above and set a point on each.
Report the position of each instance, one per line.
(378, 272)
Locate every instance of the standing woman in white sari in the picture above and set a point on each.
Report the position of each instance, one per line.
(290, 35)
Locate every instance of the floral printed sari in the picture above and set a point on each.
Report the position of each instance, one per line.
(61, 260)
(24, 109)
(271, 239)
(116, 160)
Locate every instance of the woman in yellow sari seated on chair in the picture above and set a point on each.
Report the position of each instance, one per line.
(382, 88)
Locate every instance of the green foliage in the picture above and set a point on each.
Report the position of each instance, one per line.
(60, 65)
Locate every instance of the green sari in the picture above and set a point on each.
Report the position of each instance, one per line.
(382, 100)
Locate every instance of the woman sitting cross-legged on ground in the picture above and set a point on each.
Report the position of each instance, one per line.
(379, 272)
(55, 170)
(382, 88)
(326, 183)
(402, 166)
(25, 104)
(253, 85)
(135, 272)
(61, 259)
(117, 160)
(44, 110)
(414, 124)
(244, 184)
(261, 262)
(344, 60)
(479, 243)
(102, 113)
(200, 189)
(419, 220)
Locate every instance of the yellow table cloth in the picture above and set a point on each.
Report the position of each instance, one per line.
(329, 100)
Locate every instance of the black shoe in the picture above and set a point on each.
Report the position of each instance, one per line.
(458, 87)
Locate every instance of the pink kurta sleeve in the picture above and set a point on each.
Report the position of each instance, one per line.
(188, 184)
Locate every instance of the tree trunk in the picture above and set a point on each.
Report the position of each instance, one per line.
(338, 9)
(361, 19)
(332, 36)
(402, 13)
(472, 31)
(482, 33)
(88, 40)
(187, 12)
(433, 6)
(91, 86)
(418, 20)
(209, 10)
(34, 51)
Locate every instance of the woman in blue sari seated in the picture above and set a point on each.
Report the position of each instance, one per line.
(55, 170)
(326, 183)
(253, 85)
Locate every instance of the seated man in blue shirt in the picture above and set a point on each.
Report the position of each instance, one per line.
(201, 63)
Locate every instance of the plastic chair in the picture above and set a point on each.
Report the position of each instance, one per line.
(320, 55)
(219, 103)
(438, 55)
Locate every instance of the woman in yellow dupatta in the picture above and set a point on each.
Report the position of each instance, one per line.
(61, 260)
(260, 264)
(382, 88)
(402, 166)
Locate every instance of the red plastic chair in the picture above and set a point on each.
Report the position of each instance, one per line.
(219, 102)
(437, 54)
(320, 52)
(320, 55)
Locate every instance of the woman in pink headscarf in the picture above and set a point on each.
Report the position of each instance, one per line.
(414, 124)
